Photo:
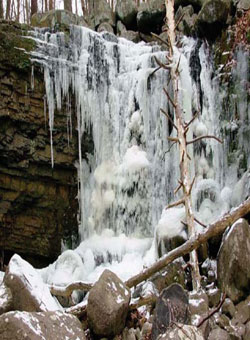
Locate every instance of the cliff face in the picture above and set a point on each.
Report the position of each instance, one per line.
(38, 204)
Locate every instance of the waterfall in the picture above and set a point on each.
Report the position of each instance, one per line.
(126, 182)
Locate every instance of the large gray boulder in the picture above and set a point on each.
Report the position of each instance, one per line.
(233, 258)
(127, 34)
(126, 11)
(56, 17)
(150, 16)
(29, 292)
(108, 305)
(45, 326)
(212, 18)
(172, 306)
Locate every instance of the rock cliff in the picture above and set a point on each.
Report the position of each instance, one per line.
(38, 204)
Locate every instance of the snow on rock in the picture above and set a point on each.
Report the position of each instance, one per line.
(134, 160)
(44, 326)
(108, 305)
(5, 299)
(1, 276)
(29, 291)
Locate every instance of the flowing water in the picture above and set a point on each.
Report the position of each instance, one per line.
(130, 177)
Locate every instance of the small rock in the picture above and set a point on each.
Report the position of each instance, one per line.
(5, 299)
(146, 329)
(182, 332)
(105, 27)
(246, 336)
(218, 334)
(108, 305)
(214, 296)
(228, 308)
(198, 304)
(172, 305)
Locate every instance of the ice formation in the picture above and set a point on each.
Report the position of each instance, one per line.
(126, 183)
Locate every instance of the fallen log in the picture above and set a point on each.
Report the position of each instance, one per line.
(67, 291)
(193, 243)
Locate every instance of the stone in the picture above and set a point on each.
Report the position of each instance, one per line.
(146, 330)
(172, 305)
(243, 5)
(198, 305)
(101, 12)
(173, 273)
(105, 27)
(196, 4)
(108, 305)
(186, 25)
(212, 18)
(55, 18)
(46, 325)
(127, 34)
(29, 293)
(233, 274)
(5, 299)
(126, 11)
(242, 314)
(214, 295)
(182, 332)
(246, 336)
(218, 334)
(228, 308)
(150, 16)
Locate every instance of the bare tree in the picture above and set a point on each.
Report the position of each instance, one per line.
(8, 7)
(1, 9)
(33, 7)
(51, 5)
(68, 5)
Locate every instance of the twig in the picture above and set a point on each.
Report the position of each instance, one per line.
(179, 20)
(169, 98)
(170, 148)
(191, 121)
(178, 188)
(166, 67)
(160, 39)
(213, 312)
(169, 118)
(203, 137)
(199, 222)
(191, 186)
(157, 69)
(173, 139)
(175, 204)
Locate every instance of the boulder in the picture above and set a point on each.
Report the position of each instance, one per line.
(196, 4)
(108, 305)
(5, 299)
(198, 305)
(172, 305)
(56, 17)
(218, 333)
(233, 273)
(150, 16)
(45, 326)
(127, 34)
(212, 18)
(243, 5)
(101, 12)
(182, 332)
(28, 290)
(228, 308)
(126, 11)
(186, 25)
(105, 27)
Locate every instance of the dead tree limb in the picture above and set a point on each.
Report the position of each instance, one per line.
(149, 300)
(175, 204)
(181, 134)
(193, 243)
(169, 118)
(204, 137)
(159, 39)
(67, 291)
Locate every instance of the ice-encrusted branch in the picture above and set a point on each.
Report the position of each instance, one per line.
(204, 137)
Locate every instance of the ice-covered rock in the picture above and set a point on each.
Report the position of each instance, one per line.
(28, 290)
(108, 304)
(44, 326)
(233, 273)
(5, 299)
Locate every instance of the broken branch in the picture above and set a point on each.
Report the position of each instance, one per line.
(175, 204)
(169, 118)
(67, 291)
(169, 98)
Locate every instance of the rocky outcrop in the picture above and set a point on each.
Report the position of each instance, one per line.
(126, 11)
(108, 304)
(35, 295)
(48, 325)
(234, 254)
(38, 207)
(150, 16)
(172, 306)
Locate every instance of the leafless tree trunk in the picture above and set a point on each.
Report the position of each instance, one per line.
(84, 7)
(76, 5)
(1, 9)
(33, 7)
(46, 5)
(18, 11)
(8, 7)
(68, 5)
(51, 6)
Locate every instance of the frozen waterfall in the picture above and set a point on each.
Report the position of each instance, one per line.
(124, 185)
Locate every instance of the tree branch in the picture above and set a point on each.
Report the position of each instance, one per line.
(67, 291)
(214, 311)
(193, 243)
(169, 118)
(202, 137)
(175, 204)
(169, 98)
